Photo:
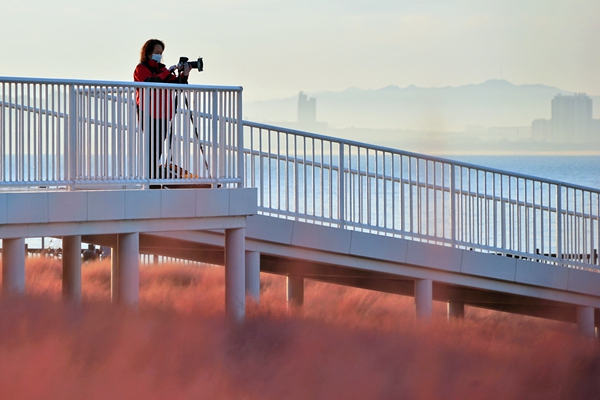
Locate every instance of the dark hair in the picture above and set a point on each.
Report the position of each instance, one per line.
(148, 48)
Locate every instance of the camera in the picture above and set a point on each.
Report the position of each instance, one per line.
(198, 64)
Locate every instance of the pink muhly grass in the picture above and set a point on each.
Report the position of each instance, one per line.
(345, 343)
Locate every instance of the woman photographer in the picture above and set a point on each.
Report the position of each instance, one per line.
(150, 69)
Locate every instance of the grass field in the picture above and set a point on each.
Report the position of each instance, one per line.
(345, 344)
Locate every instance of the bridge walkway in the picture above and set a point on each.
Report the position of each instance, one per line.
(75, 163)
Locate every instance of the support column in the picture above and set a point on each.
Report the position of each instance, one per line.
(295, 291)
(424, 298)
(235, 296)
(13, 266)
(253, 275)
(71, 268)
(456, 309)
(585, 321)
(127, 267)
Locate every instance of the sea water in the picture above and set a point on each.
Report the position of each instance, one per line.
(579, 170)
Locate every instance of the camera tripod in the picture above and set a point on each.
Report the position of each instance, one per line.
(172, 170)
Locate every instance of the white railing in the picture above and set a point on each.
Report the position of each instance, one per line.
(84, 134)
(357, 186)
(80, 134)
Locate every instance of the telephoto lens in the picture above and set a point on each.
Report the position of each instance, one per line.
(198, 64)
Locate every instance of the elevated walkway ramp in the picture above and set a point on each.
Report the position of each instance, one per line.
(393, 265)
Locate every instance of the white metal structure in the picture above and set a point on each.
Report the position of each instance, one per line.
(357, 186)
(68, 133)
(86, 134)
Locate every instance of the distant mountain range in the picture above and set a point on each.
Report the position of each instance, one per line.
(494, 103)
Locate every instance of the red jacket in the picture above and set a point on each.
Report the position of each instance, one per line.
(152, 71)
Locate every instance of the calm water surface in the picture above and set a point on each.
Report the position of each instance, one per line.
(580, 170)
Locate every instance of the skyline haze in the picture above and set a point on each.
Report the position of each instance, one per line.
(276, 49)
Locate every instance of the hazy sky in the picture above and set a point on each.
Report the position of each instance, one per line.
(275, 48)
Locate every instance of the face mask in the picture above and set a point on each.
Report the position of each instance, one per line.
(157, 57)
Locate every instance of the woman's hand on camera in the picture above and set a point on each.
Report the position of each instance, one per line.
(186, 69)
(172, 68)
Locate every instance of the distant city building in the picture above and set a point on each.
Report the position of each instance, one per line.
(541, 130)
(571, 121)
(307, 109)
(307, 113)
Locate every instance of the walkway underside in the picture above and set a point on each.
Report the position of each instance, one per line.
(208, 247)
(404, 286)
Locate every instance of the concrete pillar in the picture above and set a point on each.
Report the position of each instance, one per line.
(295, 290)
(253, 275)
(585, 321)
(424, 298)
(13, 266)
(235, 271)
(456, 309)
(71, 268)
(128, 269)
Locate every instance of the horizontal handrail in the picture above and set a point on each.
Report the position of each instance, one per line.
(120, 84)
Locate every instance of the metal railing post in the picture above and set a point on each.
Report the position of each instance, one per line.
(224, 144)
(342, 186)
(144, 116)
(503, 212)
(215, 135)
(453, 203)
(559, 229)
(240, 141)
(72, 137)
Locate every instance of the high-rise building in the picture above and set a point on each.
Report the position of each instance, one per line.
(571, 121)
(307, 114)
(307, 109)
(571, 118)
